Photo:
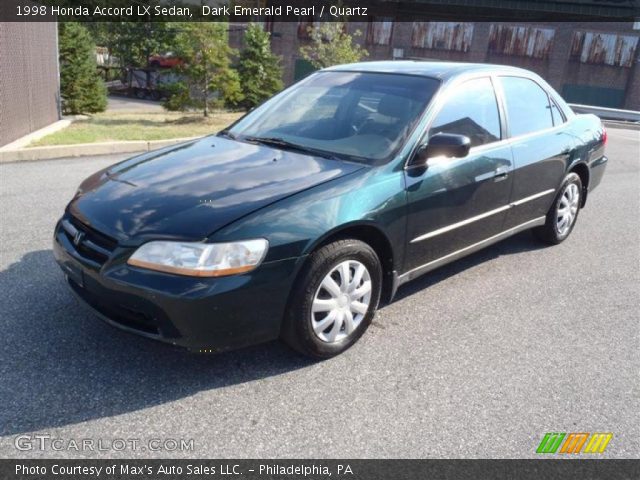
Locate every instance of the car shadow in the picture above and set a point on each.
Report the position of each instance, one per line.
(522, 242)
(60, 365)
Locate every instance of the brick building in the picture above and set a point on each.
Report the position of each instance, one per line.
(593, 63)
(29, 89)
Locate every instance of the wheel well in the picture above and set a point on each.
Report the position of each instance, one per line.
(377, 240)
(583, 172)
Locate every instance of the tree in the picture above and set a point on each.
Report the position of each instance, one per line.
(207, 72)
(133, 42)
(259, 69)
(332, 45)
(81, 88)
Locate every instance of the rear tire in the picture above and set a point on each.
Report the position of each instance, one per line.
(334, 299)
(563, 214)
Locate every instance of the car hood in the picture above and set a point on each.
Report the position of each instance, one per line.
(191, 190)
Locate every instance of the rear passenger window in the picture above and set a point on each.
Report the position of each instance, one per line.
(528, 108)
(472, 110)
(558, 119)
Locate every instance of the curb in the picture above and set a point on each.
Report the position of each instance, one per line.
(38, 134)
(82, 149)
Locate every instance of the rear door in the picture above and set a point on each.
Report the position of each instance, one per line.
(456, 202)
(541, 148)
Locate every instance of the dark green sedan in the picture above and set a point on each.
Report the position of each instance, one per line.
(298, 220)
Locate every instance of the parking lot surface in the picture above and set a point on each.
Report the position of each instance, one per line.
(478, 359)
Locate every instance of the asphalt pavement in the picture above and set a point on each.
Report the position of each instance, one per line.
(122, 104)
(478, 359)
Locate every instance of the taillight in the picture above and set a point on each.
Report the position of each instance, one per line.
(604, 135)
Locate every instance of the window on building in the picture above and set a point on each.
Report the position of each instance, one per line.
(603, 48)
(521, 41)
(472, 111)
(455, 36)
(379, 31)
(528, 108)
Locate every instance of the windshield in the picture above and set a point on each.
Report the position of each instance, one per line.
(360, 116)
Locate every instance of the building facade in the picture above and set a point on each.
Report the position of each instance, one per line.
(593, 63)
(29, 80)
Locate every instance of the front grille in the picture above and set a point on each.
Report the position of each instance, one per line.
(88, 242)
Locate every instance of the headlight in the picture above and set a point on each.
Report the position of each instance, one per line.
(201, 259)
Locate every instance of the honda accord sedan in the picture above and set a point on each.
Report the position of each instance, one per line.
(299, 219)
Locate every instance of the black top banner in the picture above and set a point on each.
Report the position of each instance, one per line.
(546, 469)
(326, 10)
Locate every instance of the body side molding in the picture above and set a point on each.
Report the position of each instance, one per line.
(427, 267)
(462, 223)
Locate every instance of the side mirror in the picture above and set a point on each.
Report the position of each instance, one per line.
(442, 144)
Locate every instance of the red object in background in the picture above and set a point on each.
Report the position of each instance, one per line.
(605, 137)
(164, 61)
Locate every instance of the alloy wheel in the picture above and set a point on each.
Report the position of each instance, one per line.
(341, 301)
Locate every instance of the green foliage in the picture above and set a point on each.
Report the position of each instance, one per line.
(332, 45)
(208, 76)
(81, 88)
(101, 32)
(133, 42)
(178, 98)
(227, 83)
(259, 69)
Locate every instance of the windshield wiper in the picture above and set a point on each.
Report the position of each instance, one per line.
(286, 145)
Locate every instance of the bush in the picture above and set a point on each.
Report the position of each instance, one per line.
(178, 98)
(81, 88)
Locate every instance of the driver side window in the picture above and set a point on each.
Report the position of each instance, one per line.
(472, 111)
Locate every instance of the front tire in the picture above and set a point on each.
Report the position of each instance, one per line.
(563, 214)
(334, 300)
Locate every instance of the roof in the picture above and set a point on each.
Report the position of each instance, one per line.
(440, 70)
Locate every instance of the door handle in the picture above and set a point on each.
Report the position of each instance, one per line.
(501, 173)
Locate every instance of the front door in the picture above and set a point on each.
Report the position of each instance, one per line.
(454, 203)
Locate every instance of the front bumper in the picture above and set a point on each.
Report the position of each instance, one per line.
(201, 314)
